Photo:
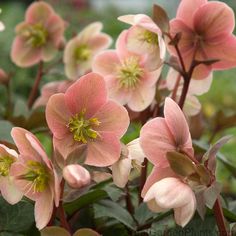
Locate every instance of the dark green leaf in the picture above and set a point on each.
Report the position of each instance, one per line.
(84, 200)
(106, 208)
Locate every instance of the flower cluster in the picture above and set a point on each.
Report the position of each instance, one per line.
(90, 117)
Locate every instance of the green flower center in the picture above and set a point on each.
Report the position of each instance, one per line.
(129, 73)
(38, 174)
(82, 128)
(5, 164)
(150, 37)
(36, 35)
(82, 53)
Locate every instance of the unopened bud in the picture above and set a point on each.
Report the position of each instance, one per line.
(4, 77)
(76, 176)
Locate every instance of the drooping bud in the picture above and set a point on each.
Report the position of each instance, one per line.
(76, 176)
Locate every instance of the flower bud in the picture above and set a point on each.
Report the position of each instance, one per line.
(4, 78)
(76, 176)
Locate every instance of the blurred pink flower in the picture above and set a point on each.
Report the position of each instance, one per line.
(145, 38)
(161, 135)
(52, 88)
(76, 176)
(80, 50)
(127, 75)
(192, 106)
(35, 176)
(85, 117)
(132, 156)
(206, 32)
(7, 187)
(165, 190)
(38, 37)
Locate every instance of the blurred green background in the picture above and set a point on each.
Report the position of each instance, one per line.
(78, 13)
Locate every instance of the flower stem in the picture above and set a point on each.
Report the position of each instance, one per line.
(33, 92)
(61, 210)
(128, 200)
(219, 216)
(143, 178)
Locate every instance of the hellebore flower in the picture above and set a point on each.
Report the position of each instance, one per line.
(161, 135)
(51, 88)
(145, 38)
(127, 75)
(206, 32)
(132, 156)
(192, 106)
(7, 187)
(80, 50)
(35, 176)
(76, 176)
(38, 37)
(85, 117)
(164, 190)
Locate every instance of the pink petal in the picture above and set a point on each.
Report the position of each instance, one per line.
(88, 93)
(9, 190)
(177, 124)
(214, 19)
(58, 115)
(120, 172)
(156, 175)
(28, 145)
(187, 8)
(171, 193)
(105, 63)
(65, 145)
(48, 52)
(24, 55)
(43, 209)
(135, 151)
(141, 98)
(114, 118)
(38, 12)
(192, 106)
(104, 151)
(100, 42)
(156, 140)
(185, 213)
(90, 30)
(115, 92)
(187, 37)
(225, 51)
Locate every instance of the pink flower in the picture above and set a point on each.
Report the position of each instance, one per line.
(192, 106)
(7, 187)
(38, 37)
(76, 176)
(127, 75)
(51, 88)
(131, 157)
(80, 50)
(206, 29)
(35, 176)
(145, 38)
(85, 117)
(164, 190)
(161, 135)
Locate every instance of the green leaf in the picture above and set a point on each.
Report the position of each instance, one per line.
(142, 214)
(84, 200)
(111, 209)
(16, 218)
(5, 131)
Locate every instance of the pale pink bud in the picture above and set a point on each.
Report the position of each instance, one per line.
(76, 176)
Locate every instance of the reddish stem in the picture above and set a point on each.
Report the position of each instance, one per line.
(33, 92)
(61, 210)
(220, 219)
(128, 200)
(143, 178)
